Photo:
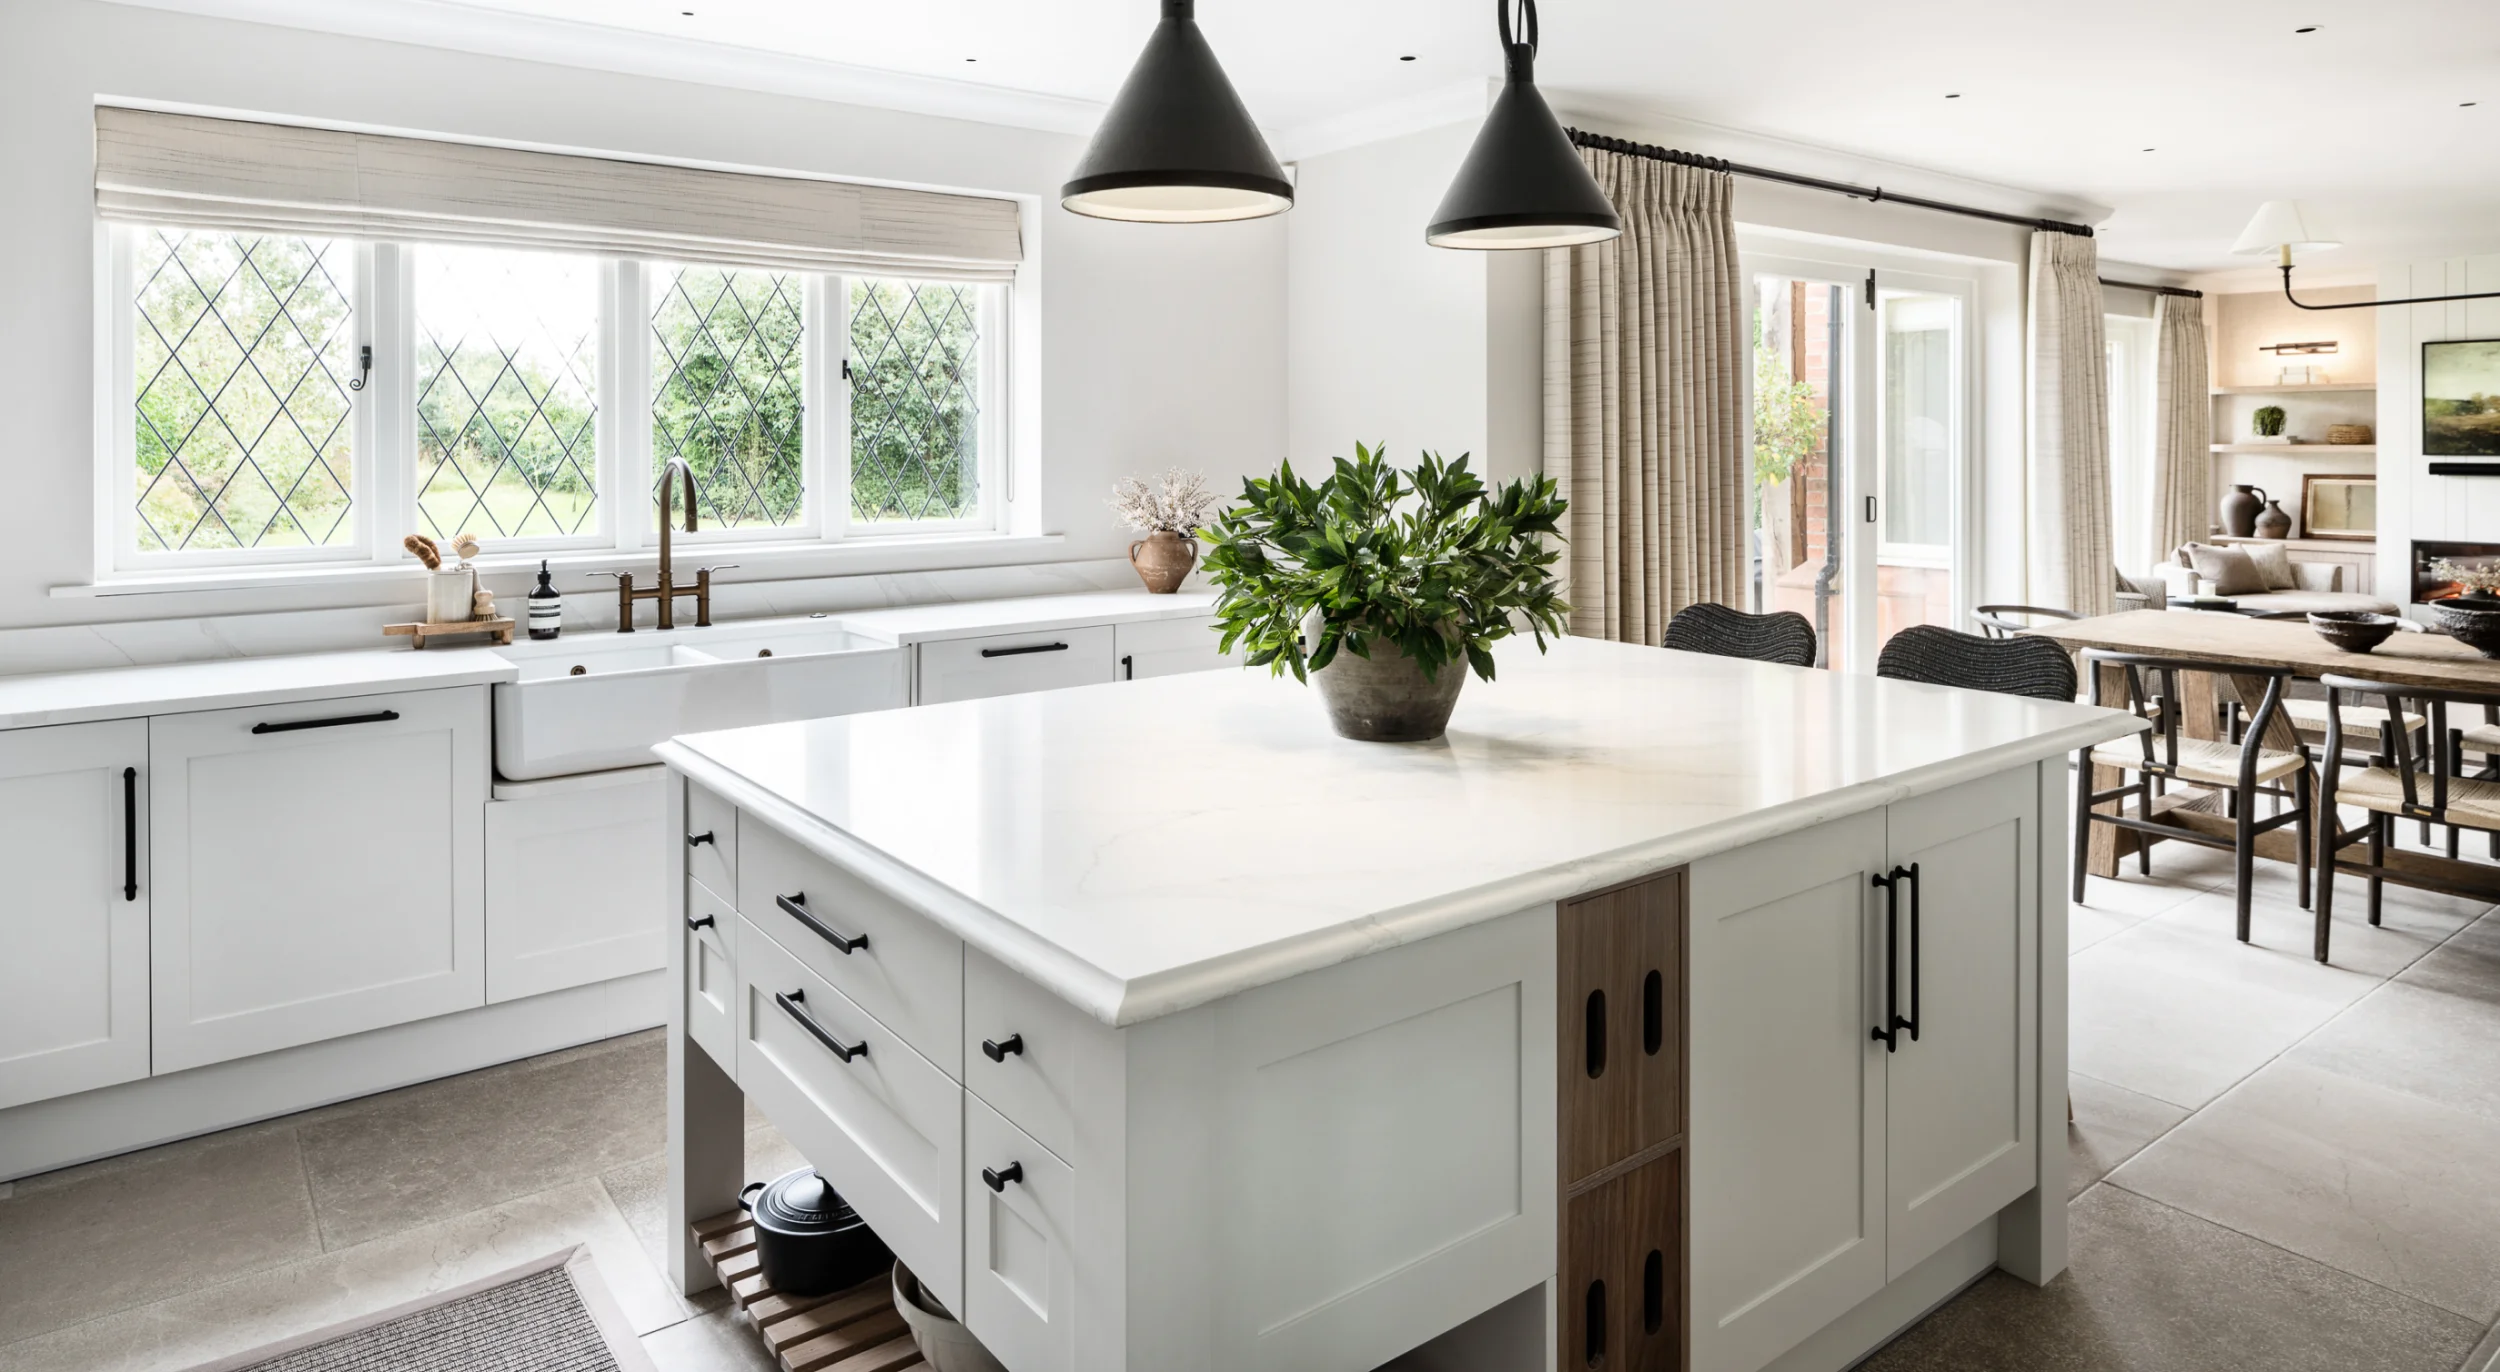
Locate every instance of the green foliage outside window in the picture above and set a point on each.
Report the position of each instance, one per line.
(915, 411)
(726, 391)
(1787, 420)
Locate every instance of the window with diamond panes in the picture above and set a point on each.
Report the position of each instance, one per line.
(507, 385)
(242, 354)
(915, 400)
(727, 391)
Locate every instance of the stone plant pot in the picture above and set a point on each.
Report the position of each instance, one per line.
(1386, 698)
(1163, 560)
(2471, 620)
(2239, 510)
(2274, 521)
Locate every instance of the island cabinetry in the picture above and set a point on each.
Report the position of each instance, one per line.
(1865, 1090)
(320, 870)
(711, 972)
(73, 845)
(1620, 1105)
(897, 965)
(712, 842)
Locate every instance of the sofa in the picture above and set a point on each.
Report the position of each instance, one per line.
(2290, 587)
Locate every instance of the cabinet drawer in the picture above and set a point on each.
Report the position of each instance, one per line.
(712, 841)
(885, 1127)
(1019, 1271)
(711, 975)
(1621, 1035)
(1043, 1046)
(1167, 647)
(1622, 1305)
(1006, 664)
(909, 973)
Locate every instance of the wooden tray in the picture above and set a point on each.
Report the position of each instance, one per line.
(849, 1331)
(500, 628)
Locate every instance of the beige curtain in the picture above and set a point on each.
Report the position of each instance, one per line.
(1644, 401)
(2067, 477)
(2183, 422)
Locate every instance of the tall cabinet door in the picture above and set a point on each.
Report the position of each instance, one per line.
(1786, 1179)
(320, 870)
(74, 924)
(1962, 1141)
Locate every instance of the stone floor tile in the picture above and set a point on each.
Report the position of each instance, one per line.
(637, 1187)
(2432, 1043)
(2151, 1289)
(722, 1341)
(2369, 1180)
(2112, 1124)
(187, 1217)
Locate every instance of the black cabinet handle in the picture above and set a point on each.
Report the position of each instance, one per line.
(335, 721)
(790, 1005)
(1027, 648)
(795, 906)
(1910, 873)
(1128, 668)
(996, 1050)
(705, 922)
(698, 840)
(130, 833)
(997, 1181)
(1884, 1031)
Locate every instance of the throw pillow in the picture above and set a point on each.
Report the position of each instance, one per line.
(2274, 563)
(2227, 570)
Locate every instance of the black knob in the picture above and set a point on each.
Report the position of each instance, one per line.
(698, 840)
(705, 922)
(996, 1050)
(997, 1181)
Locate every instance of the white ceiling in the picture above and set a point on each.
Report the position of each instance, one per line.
(2360, 118)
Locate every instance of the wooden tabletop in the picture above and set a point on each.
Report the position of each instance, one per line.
(2428, 661)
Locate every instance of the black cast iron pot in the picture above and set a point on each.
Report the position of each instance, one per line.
(809, 1240)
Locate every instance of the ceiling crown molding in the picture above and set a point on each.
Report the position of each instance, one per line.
(563, 42)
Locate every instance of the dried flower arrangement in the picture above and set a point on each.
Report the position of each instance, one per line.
(2478, 578)
(1177, 502)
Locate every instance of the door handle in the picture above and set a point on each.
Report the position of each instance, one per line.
(335, 721)
(1910, 874)
(790, 1005)
(1885, 1032)
(130, 833)
(996, 1050)
(997, 1181)
(1027, 648)
(698, 840)
(1128, 669)
(795, 906)
(705, 922)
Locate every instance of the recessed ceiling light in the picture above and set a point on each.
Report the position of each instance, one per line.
(2310, 29)
(2152, 149)
(1954, 96)
(2467, 104)
(1408, 58)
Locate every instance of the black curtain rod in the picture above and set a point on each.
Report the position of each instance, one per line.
(2157, 290)
(1870, 194)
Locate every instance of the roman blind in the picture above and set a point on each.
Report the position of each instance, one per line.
(195, 171)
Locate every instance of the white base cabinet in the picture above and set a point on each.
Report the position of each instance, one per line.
(320, 870)
(576, 874)
(74, 924)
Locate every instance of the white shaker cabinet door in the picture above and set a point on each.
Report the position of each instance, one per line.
(1168, 647)
(1961, 1125)
(320, 870)
(1787, 1090)
(74, 921)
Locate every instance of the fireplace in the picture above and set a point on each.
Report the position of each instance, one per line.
(2428, 585)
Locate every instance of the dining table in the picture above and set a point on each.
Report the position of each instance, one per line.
(2431, 662)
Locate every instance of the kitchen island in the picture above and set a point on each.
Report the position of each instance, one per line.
(1672, 1011)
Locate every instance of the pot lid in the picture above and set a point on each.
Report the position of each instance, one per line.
(804, 1203)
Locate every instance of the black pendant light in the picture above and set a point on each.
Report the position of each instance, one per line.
(1178, 146)
(1523, 185)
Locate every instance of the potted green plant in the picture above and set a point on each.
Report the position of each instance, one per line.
(2268, 421)
(1385, 586)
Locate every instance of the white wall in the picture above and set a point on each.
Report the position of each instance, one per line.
(1154, 345)
(2412, 503)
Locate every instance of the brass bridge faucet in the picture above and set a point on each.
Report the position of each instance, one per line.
(668, 590)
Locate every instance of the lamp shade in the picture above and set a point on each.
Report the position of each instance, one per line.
(1177, 146)
(2283, 226)
(1523, 185)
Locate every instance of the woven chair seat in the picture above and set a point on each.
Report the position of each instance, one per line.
(2309, 716)
(2204, 761)
(2472, 803)
(2482, 738)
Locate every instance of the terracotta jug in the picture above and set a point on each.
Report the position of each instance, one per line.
(2239, 510)
(1163, 559)
(2274, 522)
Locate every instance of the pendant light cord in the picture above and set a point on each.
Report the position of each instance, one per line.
(1526, 30)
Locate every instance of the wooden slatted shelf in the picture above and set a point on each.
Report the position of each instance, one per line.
(849, 1331)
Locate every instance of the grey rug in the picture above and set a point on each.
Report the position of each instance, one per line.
(553, 1315)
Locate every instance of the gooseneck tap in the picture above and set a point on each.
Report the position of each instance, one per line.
(668, 590)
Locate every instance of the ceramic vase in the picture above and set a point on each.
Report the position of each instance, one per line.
(450, 595)
(2239, 510)
(1386, 698)
(2272, 522)
(1163, 560)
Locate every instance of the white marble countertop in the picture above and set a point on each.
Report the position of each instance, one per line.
(181, 687)
(1143, 847)
(1029, 614)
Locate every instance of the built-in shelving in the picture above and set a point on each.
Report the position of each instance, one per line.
(2295, 448)
(2319, 389)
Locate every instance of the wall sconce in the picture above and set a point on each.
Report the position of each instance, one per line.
(2299, 349)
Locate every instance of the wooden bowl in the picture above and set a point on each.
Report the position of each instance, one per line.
(2354, 631)
(2477, 628)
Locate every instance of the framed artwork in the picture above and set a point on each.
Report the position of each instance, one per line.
(2461, 398)
(2339, 506)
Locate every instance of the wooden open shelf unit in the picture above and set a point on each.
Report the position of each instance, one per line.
(849, 1331)
(2320, 389)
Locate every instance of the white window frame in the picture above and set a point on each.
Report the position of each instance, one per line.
(383, 428)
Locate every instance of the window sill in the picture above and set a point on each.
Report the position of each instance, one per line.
(579, 570)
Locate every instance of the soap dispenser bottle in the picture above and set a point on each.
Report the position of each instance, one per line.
(546, 607)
